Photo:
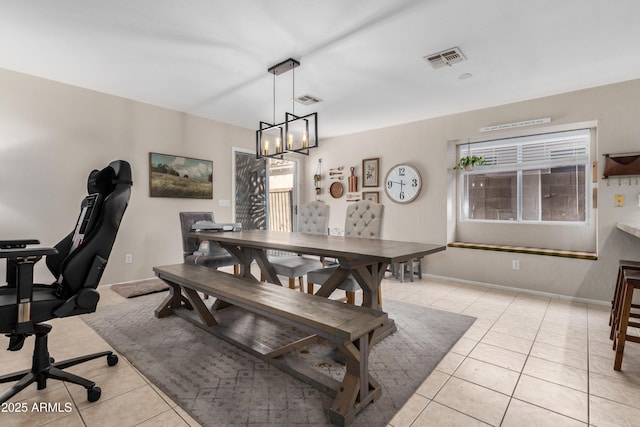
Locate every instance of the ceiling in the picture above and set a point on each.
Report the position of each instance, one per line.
(363, 58)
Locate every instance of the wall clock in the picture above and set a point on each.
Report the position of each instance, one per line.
(403, 183)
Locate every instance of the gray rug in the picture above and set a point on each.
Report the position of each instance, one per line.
(139, 287)
(221, 385)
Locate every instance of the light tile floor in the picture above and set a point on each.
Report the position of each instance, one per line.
(527, 361)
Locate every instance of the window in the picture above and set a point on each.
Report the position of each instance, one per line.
(532, 179)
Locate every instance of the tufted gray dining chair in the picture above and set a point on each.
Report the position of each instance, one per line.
(313, 218)
(363, 220)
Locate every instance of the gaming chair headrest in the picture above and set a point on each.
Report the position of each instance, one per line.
(101, 181)
(104, 181)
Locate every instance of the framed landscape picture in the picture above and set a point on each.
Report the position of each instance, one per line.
(370, 172)
(177, 176)
(374, 196)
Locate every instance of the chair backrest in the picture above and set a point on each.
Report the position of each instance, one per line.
(313, 218)
(187, 219)
(364, 219)
(81, 264)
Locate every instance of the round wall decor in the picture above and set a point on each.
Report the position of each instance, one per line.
(336, 190)
(403, 183)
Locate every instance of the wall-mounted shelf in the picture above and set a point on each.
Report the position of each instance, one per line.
(621, 165)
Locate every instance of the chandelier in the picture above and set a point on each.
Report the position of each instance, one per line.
(297, 134)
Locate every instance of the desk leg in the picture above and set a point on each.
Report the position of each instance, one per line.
(266, 267)
(332, 282)
(246, 257)
(369, 278)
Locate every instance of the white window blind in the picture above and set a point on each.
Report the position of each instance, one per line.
(531, 152)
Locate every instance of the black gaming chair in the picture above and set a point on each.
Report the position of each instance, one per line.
(77, 263)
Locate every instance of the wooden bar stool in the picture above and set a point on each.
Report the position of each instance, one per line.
(623, 266)
(630, 282)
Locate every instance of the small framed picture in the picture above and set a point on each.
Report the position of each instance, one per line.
(370, 172)
(374, 196)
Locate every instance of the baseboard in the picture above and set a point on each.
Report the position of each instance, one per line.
(520, 290)
(108, 285)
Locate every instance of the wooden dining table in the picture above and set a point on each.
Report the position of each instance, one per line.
(366, 259)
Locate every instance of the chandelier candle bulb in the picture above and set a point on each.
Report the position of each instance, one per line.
(277, 145)
(290, 142)
(304, 139)
(266, 147)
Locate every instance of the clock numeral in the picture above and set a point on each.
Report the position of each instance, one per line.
(389, 184)
(414, 182)
(402, 195)
(401, 171)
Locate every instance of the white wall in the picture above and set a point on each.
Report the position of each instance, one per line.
(52, 135)
(424, 144)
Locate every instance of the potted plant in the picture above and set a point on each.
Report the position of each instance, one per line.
(468, 162)
(316, 182)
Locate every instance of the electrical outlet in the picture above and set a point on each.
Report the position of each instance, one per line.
(515, 264)
(128, 259)
(619, 200)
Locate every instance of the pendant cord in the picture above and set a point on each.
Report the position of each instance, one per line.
(274, 99)
(293, 92)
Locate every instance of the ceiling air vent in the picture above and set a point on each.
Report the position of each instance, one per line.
(446, 57)
(307, 99)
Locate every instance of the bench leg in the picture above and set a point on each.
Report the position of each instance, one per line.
(357, 388)
(174, 300)
(203, 312)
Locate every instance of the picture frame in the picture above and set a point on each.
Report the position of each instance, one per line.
(371, 172)
(373, 196)
(180, 177)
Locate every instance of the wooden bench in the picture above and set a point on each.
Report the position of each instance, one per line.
(349, 328)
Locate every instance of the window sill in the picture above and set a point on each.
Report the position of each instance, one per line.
(525, 250)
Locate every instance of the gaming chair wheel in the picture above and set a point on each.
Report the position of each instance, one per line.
(112, 360)
(93, 394)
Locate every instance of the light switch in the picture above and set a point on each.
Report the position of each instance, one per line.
(619, 200)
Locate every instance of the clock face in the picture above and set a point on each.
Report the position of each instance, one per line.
(403, 183)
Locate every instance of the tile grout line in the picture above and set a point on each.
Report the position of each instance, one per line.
(588, 370)
(588, 394)
(458, 367)
(75, 405)
(525, 363)
(447, 380)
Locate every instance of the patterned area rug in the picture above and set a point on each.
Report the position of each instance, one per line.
(221, 385)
